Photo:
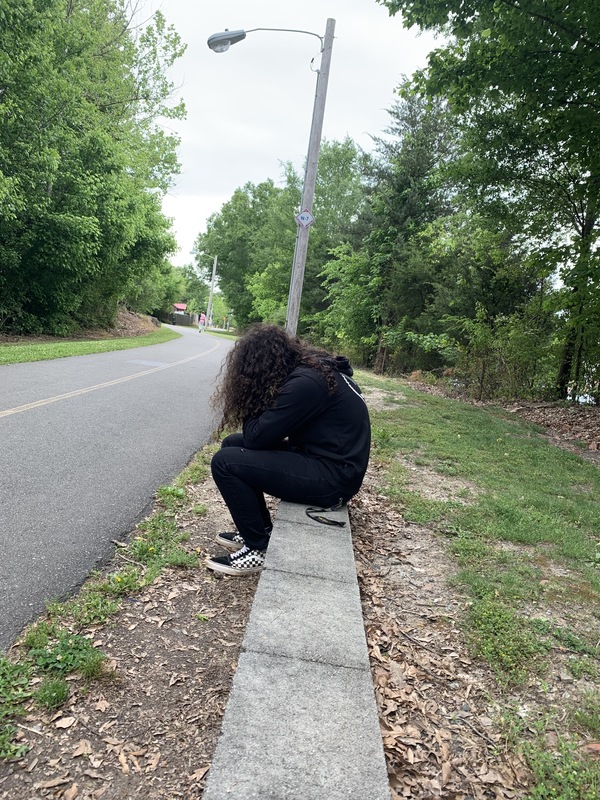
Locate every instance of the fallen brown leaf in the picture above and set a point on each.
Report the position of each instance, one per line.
(64, 722)
(71, 793)
(83, 748)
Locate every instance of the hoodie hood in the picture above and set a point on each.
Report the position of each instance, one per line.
(340, 364)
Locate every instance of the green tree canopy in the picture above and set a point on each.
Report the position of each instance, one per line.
(523, 75)
(254, 235)
(82, 158)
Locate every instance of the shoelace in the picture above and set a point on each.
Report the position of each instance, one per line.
(240, 553)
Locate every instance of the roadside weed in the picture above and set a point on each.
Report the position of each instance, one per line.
(52, 692)
(38, 635)
(497, 635)
(120, 582)
(560, 774)
(564, 637)
(583, 667)
(179, 558)
(588, 715)
(158, 545)
(469, 548)
(65, 653)
(9, 746)
(93, 666)
(14, 691)
(171, 497)
(89, 607)
(199, 468)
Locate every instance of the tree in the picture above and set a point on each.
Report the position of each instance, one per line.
(196, 287)
(408, 196)
(254, 235)
(80, 155)
(523, 74)
(231, 235)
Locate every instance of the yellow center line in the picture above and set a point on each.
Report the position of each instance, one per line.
(48, 400)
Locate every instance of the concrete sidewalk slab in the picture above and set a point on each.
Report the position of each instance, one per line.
(302, 549)
(307, 618)
(300, 731)
(301, 721)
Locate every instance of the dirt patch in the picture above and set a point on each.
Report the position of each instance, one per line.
(380, 400)
(434, 486)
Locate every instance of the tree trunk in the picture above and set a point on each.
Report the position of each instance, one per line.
(380, 357)
(566, 364)
(577, 388)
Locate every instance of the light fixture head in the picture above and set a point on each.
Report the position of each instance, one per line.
(220, 42)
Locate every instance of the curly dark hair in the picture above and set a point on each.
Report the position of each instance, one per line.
(256, 368)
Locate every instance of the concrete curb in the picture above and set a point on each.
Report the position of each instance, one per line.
(301, 721)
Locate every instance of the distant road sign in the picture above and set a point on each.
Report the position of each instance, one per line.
(304, 218)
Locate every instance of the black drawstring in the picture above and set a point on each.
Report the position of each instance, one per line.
(315, 513)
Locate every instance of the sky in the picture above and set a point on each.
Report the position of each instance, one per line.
(249, 109)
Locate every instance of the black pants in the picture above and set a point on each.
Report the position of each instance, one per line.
(243, 477)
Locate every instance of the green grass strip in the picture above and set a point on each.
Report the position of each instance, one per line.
(44, 351)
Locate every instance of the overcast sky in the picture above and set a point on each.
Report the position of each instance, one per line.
(249, 109)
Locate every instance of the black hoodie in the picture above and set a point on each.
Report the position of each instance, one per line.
(332, 428)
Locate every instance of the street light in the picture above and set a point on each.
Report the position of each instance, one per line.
(220, 42)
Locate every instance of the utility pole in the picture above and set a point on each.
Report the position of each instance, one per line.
(305, 218)
(212, 289)
(220, 43)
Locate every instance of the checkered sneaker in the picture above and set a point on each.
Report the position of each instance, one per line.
(243, 562)
(231, 540)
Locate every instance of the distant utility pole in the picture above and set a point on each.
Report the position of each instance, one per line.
(212, 289)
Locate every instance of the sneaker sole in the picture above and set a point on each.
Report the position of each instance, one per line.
(216, 567)
(227, 543)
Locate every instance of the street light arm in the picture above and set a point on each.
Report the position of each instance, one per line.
(221, 42)
(289, 30)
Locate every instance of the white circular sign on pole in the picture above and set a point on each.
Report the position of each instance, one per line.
(304, 218)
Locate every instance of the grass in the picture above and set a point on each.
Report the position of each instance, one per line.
(223, 334)
(65, 652)
(529, 493)
(526, 508)
(52, 693)
(561, 774)
(14, 691)
(52, 652)
(21, 353)
(520, 518)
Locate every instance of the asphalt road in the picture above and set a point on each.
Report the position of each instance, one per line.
(84, 444)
